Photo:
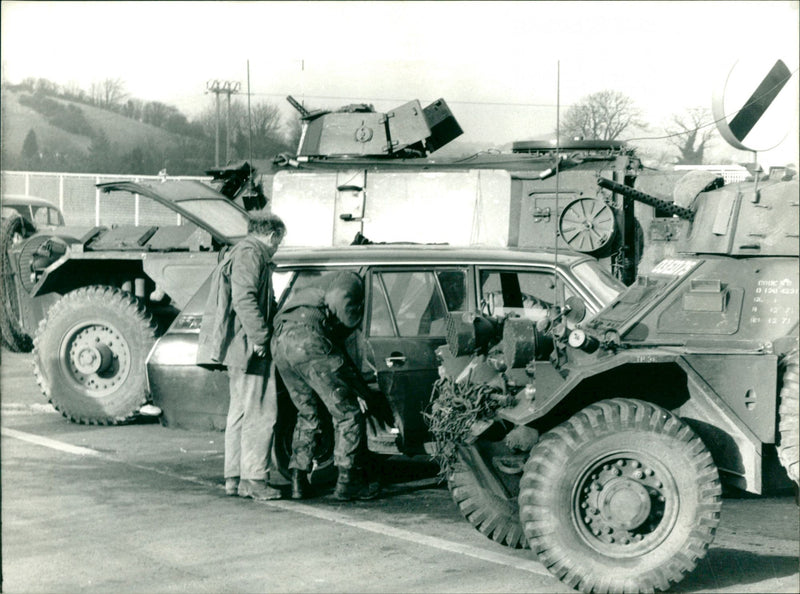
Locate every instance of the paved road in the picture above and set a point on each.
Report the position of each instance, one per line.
(141, 508)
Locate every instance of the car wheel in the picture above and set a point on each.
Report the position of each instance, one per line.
(89, 355)
(485, 489)
(13, 232)
(788, 424)
(621, 497)
(324, 471)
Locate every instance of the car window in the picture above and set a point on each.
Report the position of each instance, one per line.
(55, 217)
(40, 215)
(285, 282)
(526, 294)
(280, 282)
(9, 211)
(380, 319)
(415, 300)
(600, 283)
(454, 288)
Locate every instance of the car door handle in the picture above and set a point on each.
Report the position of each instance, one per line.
(395, 359)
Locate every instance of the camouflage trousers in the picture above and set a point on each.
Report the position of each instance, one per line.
(310, 364)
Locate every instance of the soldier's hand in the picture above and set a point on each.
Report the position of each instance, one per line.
(260, 350)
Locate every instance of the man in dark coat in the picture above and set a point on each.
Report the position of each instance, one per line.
(308, 349)
(235, 333)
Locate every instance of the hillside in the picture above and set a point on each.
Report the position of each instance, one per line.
(124, 134)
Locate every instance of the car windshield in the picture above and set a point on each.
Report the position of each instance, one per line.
(220, 215)
(15, 210)
(43, 215)
(597, 281)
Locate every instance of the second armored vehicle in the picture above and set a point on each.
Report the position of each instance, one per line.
(601, 441)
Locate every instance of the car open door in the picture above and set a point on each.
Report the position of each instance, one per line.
(406, 322)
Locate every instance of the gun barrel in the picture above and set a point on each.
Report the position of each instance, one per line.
(671, 208)
(297, 105)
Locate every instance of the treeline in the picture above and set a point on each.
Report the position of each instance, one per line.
(191, 151)
(110, 94)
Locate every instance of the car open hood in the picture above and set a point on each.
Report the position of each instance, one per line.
(171, 193)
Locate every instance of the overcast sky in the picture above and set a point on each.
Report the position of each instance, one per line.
(495, 63)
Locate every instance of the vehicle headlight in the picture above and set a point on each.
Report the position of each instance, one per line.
(172, 350)
(188, 322)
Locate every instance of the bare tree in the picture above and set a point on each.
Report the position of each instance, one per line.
(604, 115)
(108, 92)
(691, 133)
(73, 90)
(267, 129)
(266, 119)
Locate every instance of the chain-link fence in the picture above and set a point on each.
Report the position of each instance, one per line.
(83, 204)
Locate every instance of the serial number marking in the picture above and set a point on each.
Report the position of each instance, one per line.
(673, 267)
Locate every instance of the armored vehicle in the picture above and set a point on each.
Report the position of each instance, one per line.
(94, 299)
(378, 174)
(601, 441)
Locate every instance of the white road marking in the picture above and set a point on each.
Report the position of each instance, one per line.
(414, 537)
(316, 512)
(16, 408)
(50, 443)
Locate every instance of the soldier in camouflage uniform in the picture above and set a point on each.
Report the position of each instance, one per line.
(308, 350)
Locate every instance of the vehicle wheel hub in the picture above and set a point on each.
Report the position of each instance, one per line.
(93, 359)
(622, 503)
(97, 357)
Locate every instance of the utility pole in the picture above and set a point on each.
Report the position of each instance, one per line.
(228, 88)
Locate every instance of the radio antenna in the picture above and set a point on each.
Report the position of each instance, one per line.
(558, 177)
(249, 124)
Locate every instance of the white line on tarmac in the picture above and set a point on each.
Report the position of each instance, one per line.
(50, 443)
(307, 510)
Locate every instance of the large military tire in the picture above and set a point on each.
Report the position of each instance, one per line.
(621, 497)
(89, 355)
(788, 417)
(486, 497)
(324, 471)
(14, 230)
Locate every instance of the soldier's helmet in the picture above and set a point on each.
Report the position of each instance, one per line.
(345, 298)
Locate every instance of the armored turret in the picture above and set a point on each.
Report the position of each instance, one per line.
(359, 131)
(744, 219)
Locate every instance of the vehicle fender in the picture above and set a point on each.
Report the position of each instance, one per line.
(735, 447)
(69, 272)
(49, 280)
(180, 278)
(552, 387)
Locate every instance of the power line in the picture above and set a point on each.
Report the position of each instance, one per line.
(405, 99)
(219, 88)
(755, 99)
(513, 104)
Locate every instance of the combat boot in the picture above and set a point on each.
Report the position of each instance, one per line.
(351, 485)
(232, 486)
(301, 488)
(258, 490)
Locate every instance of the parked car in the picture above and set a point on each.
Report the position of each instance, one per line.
(410, 290)
(38, 211)
(21, 217)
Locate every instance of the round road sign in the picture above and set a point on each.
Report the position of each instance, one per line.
(753, 108)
